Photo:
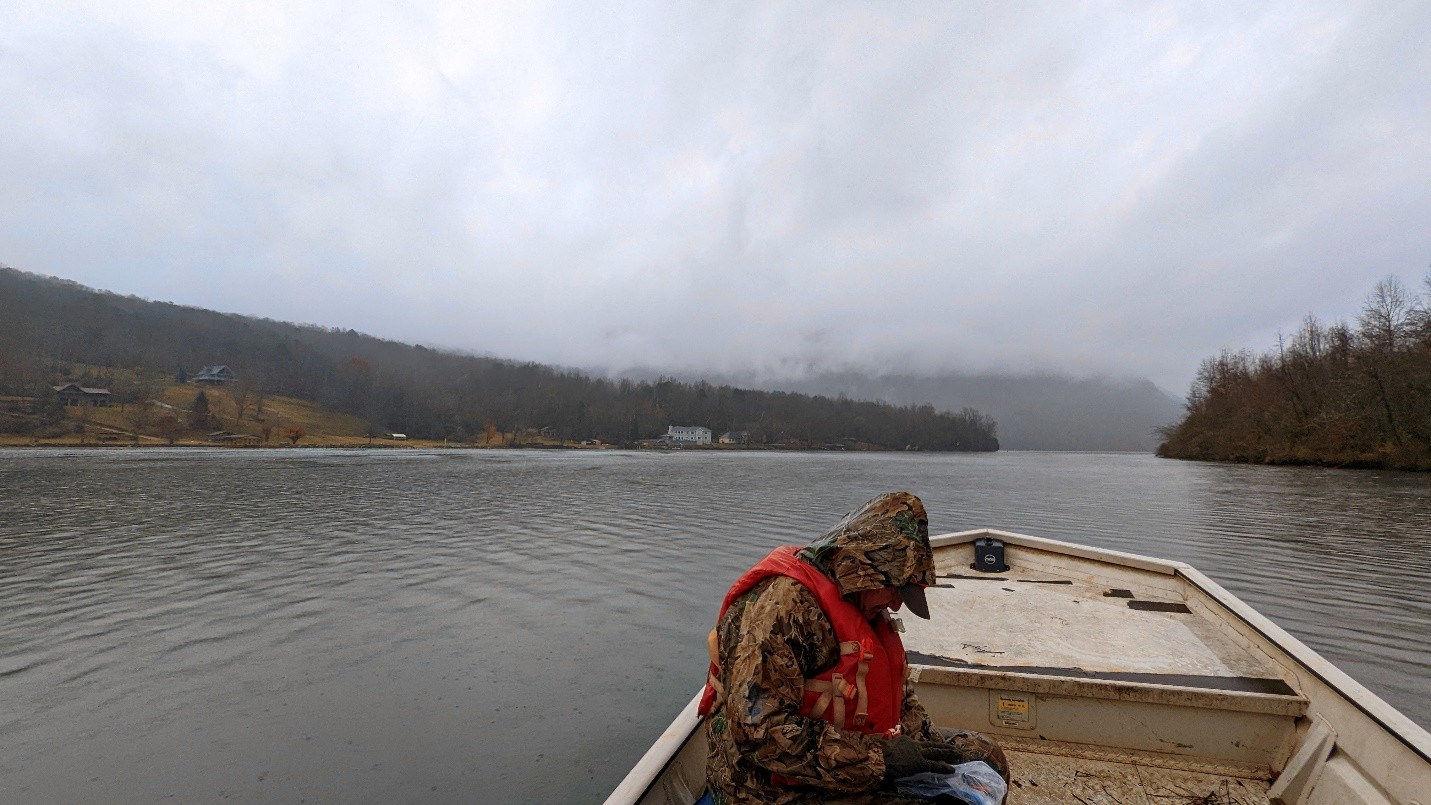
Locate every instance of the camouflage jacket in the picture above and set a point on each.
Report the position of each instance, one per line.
(776, 636)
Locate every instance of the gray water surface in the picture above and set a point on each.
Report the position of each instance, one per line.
(503, 626)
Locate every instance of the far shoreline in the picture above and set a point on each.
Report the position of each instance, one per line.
(361, 443)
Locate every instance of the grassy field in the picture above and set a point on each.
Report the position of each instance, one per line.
(168, 419)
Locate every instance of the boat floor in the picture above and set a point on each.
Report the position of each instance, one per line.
(1078, 623)
(1055, 779)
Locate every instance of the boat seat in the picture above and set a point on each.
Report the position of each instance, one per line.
(1195, 723)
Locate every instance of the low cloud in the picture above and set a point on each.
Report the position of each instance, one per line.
(1101, 189)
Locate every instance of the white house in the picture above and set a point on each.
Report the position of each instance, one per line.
(684, 434)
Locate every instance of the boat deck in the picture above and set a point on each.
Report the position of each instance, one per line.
(1132, 626)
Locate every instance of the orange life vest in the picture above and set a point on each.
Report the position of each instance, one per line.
(864, 690)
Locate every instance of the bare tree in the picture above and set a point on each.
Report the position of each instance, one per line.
(142, 411)
(170, 427)
(199, 414)
(1386, 324)
(242, 391)
(1386, 317)
(1421, 312)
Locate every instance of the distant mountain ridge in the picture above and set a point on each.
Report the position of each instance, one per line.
(1034, 411)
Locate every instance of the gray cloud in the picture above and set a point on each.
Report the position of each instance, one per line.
(1117, 189)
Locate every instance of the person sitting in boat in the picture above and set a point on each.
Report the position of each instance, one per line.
(808, 697)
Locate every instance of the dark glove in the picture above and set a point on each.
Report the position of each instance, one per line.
(941, 752)
(904, 756)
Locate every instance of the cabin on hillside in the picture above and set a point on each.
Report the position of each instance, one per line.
(231, 438)
(687, 434)
(76, 395)
(214, 376)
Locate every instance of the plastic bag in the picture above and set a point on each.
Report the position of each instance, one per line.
(974, 783)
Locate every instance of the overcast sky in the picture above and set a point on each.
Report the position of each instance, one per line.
(1095, 188)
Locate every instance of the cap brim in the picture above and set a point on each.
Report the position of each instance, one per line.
(913, 597)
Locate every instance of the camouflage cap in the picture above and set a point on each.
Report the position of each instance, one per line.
(884, 543)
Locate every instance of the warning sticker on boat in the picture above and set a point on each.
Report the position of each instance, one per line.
(1012, 709)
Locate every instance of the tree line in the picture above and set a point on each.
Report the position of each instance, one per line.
(1356, 395)
(49, 325)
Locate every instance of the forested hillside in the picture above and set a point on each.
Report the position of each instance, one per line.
(48, 326)
(1337, 395)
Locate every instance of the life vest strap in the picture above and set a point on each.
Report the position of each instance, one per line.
(862, 706)
(827, 695)
(713, 648)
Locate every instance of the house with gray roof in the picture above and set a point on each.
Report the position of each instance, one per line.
(214, 375)
(76, 395)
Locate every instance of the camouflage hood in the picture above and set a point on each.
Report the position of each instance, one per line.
(884, 543)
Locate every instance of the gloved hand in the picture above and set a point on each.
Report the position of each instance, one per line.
(904, 756)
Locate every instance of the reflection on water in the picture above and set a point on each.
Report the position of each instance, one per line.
(378, 626)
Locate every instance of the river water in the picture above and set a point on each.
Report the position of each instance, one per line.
(517, 626)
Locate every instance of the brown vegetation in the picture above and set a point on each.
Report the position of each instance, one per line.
(169, 413)
(1330, 395)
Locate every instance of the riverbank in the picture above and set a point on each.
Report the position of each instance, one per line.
(1390, 457)
(188, 416)
(125, 440)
